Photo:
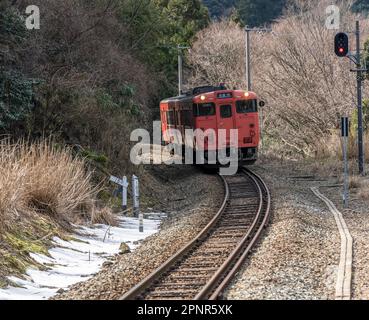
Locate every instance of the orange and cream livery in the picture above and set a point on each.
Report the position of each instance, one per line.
(216, 108)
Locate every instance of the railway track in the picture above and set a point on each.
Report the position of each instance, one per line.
(205, 266)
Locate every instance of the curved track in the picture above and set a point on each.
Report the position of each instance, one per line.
(205, 266)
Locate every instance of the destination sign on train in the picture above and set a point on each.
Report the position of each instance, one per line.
(226, 95)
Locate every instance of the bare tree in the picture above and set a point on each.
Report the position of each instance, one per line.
(295, 70)
(218, 55)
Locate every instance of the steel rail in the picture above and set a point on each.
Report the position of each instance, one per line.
(214, 287)
(213, 282)
(237, 266)
(151, 278)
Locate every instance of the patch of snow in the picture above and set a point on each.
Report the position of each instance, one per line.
(78, 260)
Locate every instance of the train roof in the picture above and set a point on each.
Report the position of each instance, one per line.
(195, 92)
(177, 99)
(188, 96)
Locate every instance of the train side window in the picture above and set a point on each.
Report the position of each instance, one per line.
(186, 118)
(204, 109)
(246, 106)
(195, 110)
(170, 117)
(226, 111)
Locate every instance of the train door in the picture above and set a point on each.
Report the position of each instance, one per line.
(247, 122)
(205, 118)
(225, 120)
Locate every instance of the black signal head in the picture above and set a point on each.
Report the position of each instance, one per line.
(341, 44)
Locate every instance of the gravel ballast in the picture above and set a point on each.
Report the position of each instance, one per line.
(298, 255)
(357, 220)
(296, 258)
(200, 195)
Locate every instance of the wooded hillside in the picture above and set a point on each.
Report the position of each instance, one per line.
(94, 71)
(260, 12)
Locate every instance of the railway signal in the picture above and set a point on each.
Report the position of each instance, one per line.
(341, 44)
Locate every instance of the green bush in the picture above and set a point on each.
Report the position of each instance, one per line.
(15, 99)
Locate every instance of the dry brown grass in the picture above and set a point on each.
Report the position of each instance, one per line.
(104, 216)
(44, 179)
(360, 185)
(363, 193)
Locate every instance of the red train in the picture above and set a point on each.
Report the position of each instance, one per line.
(215, 108)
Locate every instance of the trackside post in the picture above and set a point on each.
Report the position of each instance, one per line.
(136, 202)
(123, 184)
(344, 134)
(124, 193)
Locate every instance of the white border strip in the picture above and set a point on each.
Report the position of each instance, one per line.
(343, 284)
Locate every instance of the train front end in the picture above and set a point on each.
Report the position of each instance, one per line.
(227, 112)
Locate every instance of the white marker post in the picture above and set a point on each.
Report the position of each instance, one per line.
(345, 133)
(124, 184)
(124, 193)
(136, 202)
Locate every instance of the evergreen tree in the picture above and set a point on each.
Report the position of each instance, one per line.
(156, 27)
(16, 89)
(361, 6)
(256, 13)
(219, 8)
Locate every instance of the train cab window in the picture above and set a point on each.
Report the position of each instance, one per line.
(170, 117)
(204, 109)
(226, 111)
(246, 106)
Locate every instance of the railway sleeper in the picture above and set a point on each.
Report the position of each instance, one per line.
(208, 250)
(205, 257)
(245, 197)
(245, 192)
(233, 228)
(234, 223)
(197, 271)
(173, 292)
(175, 277)
(236, 220)
(169, 294)
(165, 284)
(200, 265)
(217, 245)
(244, 188)
(242, 202)
(225, 234)
(245, 207)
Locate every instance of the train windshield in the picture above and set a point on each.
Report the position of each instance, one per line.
(204, 109)
(246, 106)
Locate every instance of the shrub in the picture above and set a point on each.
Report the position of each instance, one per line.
(44, 179)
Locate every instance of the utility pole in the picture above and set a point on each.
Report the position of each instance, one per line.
(248, 53)
(180, 48)
(359, 101)
(248, 71)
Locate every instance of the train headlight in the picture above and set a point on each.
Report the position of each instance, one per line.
(202, 98)
(246, 94)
